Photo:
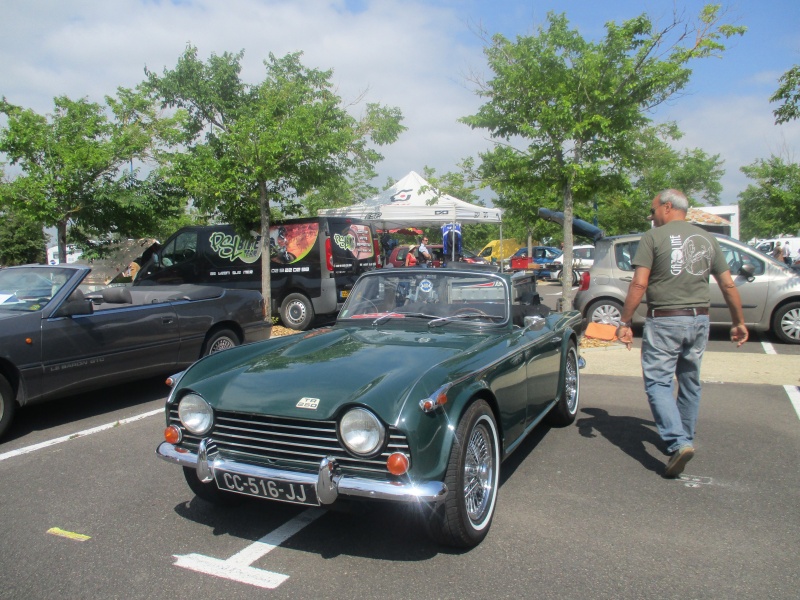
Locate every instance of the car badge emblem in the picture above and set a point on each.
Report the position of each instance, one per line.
(309, 403)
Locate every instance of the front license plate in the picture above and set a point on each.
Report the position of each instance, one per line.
(272, 489)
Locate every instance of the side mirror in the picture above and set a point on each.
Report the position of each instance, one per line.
(534, 323)
(76, 306)
(748, 271)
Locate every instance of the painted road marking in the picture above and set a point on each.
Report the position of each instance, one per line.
(237, 567)
(794, 396)
(80, 434)
(694, 481)
(79, 537)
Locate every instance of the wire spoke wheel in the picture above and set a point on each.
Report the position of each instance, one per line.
(478, 474)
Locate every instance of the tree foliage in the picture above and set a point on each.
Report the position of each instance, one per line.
(788, 93)
(567, 113)
(74, 170)
(771, 205)
(249, 148)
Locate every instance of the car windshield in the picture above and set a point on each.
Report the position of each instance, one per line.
(438, 296)
(30, 288)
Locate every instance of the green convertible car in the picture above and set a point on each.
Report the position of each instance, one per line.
(427, 381)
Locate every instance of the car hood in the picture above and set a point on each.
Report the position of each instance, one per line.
(381, 368)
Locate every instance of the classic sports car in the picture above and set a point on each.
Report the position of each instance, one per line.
(55, 340)
(428, 379)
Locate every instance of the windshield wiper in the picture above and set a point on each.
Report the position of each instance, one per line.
(464, 317)
(402, 315)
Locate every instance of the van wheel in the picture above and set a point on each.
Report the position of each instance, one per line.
(8, 405)
(297, 312)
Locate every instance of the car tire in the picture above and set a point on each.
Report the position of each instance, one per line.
(786, 323)
(209, 491)
(463, 519)
(297, 312)
(8, 405)
(566, 408)
(604, 311)
(222, 339)
(576, 278)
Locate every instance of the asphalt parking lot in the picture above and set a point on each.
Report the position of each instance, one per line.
(583, 511)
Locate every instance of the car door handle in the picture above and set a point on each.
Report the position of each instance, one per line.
(555, 340)
(167, 320)
(628, 279)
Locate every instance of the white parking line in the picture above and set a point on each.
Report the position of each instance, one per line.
(794, 396)
(237, 567)
(80, 434)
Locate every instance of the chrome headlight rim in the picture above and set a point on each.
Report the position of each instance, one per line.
(361, 432)
(195, 414)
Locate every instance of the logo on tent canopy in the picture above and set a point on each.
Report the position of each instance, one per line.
(401, 196)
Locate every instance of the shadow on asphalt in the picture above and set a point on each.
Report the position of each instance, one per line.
(629, 434)
(62, 411)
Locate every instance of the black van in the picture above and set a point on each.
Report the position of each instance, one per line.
(315, 262)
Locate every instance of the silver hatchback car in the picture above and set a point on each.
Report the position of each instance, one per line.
(770, 290)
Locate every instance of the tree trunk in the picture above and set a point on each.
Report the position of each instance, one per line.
(266, 289)
(61, 236)
(566, 271)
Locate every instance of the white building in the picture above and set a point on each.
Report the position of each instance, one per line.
(729, 212)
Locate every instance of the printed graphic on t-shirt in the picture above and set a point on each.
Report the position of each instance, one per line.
(694, 255)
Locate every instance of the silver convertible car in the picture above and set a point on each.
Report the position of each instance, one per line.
(427, 381)
(56, 340)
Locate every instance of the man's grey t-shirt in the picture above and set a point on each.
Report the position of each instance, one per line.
(680, 257)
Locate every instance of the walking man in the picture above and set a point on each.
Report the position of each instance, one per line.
(673, 263)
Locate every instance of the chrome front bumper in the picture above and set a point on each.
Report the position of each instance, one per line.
(328, 481)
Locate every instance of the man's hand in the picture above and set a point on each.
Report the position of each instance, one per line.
(739, 334)
(625, 335)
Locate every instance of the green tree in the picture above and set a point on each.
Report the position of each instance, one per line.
(21, 239)
(771, 205)
(250, 148)
(788, 93)
(74, 173)
(567, 113)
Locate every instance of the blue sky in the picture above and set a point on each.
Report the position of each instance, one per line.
(417, 55)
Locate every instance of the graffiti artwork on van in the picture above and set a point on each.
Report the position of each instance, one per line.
(235, 247)
(292, 242)
(357, 239)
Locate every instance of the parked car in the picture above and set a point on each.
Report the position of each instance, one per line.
(582, 260)
(544, 256)
(770, 290)
(428, 379)
(56, 341)
(398, 256)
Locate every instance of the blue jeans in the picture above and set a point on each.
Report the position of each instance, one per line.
(672, 347)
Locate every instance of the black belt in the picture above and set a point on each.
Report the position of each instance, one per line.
(676, 312)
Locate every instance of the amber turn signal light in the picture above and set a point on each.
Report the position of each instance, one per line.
(172, 434)
(397, 463)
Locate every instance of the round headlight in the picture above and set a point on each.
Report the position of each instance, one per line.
(195, 414)
(361, 432)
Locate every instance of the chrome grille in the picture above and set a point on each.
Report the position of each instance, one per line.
(293, 443)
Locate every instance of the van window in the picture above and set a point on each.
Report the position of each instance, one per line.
(179, 250)
(624, 253)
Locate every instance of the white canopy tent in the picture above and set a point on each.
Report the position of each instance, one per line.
(413, 201)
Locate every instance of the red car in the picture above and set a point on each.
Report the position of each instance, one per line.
(398, 256)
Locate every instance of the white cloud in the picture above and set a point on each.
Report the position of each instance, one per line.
(739, 128)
